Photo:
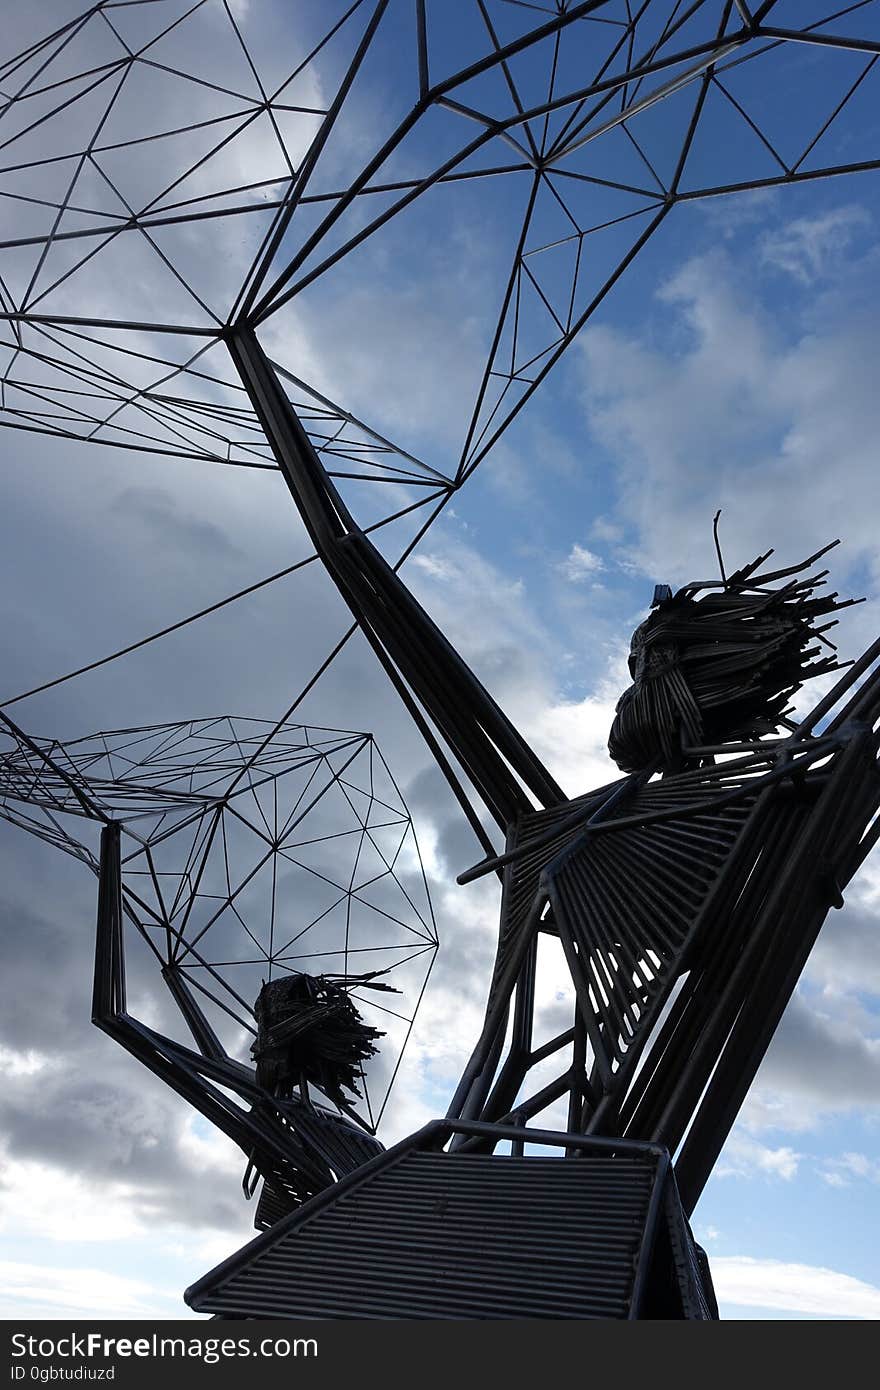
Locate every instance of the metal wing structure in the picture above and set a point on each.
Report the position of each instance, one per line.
(194, 194)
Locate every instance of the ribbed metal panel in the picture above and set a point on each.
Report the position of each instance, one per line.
(676, 862)
(521, 878)
(437, 1235)
(277, 1199)
(340, 1144)
(626, 943)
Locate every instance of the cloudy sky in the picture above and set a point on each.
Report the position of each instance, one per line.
(733, 366)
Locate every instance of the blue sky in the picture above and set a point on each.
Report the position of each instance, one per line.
(733, 365)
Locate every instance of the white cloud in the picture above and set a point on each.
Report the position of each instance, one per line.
(744, 1157)
(793, 1288)
(774, 420)
(41, 1201)
(433, 566)
(581, 564)
(507, 643)
(846, 960)
(572, 736)
(487, 616)
(603, 529)
(809, 246)
(42, 1291)
(850, 1167)
(24, 1063)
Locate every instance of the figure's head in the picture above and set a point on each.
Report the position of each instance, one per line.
(717, 663)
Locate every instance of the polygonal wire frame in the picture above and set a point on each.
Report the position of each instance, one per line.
(131, 135)
(248, 853)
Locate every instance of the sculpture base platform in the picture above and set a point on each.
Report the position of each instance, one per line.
(575, 1227)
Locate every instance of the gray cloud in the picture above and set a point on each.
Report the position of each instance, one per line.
(846, 958)
(818, 1065)
(169, 529)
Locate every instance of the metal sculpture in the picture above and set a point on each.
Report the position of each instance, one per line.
(118, 331)
(686, 897)
(247, 859)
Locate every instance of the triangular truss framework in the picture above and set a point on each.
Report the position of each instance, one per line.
(133, 138)
(246, 852)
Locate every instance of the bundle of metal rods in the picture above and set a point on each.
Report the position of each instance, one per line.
(717, 662)
(310, 1032)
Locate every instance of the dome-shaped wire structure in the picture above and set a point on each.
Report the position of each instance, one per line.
(246, 855)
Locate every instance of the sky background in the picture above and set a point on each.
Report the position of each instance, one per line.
(733, 366)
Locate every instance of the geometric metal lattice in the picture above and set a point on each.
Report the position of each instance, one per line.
(248, 852)
(131, 135)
